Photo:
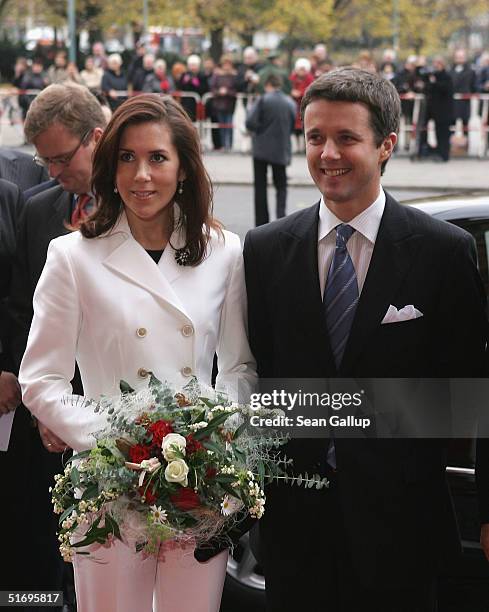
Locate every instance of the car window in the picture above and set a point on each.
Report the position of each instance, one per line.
(479, 228)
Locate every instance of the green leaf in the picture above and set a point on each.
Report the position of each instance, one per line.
(75, 476)
(212, 446)
(66, 513)
(80, 455)
(240, 430)
(225, 478)
(90, 492)
(229, 490)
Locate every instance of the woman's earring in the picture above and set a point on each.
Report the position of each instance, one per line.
(180, 187)
(115, 190)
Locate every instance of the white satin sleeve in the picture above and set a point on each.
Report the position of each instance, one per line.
(48, 365)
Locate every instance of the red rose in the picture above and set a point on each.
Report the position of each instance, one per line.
(158, 431)
(147, 493)
(185, 499)
(192, 444)
(138, 453)
(210, 472)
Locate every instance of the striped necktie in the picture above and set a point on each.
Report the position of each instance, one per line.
(340, 294)
(83, 207)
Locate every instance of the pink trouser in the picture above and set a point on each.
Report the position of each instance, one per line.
(116, 579)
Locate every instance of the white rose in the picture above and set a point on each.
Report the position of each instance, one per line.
(177, 471)
(171, 442)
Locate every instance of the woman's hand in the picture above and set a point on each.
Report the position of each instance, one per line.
(10, 396)
(50, 440)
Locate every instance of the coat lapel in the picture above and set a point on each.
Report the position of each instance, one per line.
(299, 244)
(129, 260)
(392, 257)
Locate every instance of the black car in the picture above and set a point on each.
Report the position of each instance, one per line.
(464, 587)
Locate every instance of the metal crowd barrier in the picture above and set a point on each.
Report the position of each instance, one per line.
(477, 131)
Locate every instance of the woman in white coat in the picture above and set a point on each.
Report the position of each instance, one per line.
(150, 283)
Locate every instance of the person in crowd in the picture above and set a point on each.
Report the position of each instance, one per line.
(159, 81)
(464, 80)
(21, 68)
(140, 74)
(438, 89)
(19, 168)
(209, 66)
(99, 55)
(224, 87)
(323, 67)
(64, 122)
(274, 66)
(114, 81)
(34, 79)
(92, 75)
(125, 268)
(483, 74)
(177, 70)
(388, 62)
(16, 509)
(319, 285)
(271, 121)
(192, 81)
(318, 56)
(248, 79)
(365, 61)
(136, 63)
(73, 74)
(301, 77)
(405, 83)
(58, 72)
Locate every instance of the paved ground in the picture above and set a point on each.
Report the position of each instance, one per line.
(401, 173)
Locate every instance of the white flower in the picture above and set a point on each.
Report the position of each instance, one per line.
(158, 515)
(230, 505)
(177, 471)
(199, 425)
(150, 464)
(172, 442)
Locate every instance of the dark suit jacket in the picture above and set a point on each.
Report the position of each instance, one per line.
(19, 168)
(393, 494)
(27, 469)
(11, 204)
(43, 218)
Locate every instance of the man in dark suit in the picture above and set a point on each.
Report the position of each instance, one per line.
(359, 286)
(64, 123)
(20, 168)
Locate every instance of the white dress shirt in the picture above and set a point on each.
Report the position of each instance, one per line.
(361, 244)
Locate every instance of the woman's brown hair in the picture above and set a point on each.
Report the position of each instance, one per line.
(195, 202)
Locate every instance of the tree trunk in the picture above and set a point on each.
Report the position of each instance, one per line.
(217, 37)
(247, 38)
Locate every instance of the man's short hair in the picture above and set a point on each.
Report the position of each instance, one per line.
(274, 80)
(356, 85)
(72, 105)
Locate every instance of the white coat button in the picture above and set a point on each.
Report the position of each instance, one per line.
(142, 373)
(141, 332)
(187, 330)
(186, 371)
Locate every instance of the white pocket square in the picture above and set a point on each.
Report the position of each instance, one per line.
(407, 313)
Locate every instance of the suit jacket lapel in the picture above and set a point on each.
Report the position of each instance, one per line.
(392, 257)
(129, 259)
(299, 246)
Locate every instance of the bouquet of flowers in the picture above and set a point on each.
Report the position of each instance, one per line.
(169, 467)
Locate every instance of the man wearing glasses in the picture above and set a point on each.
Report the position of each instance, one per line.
(64, 123)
